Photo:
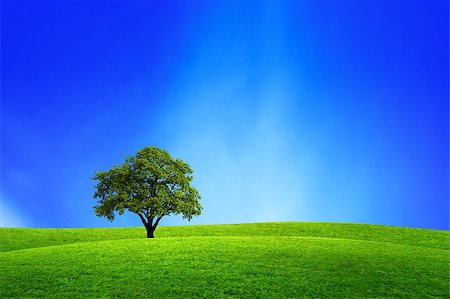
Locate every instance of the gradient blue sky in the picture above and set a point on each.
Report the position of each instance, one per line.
(286, 110)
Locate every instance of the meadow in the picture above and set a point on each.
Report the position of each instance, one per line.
(261, 260)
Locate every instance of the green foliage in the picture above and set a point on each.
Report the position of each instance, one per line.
(293, 260)
(151, 184)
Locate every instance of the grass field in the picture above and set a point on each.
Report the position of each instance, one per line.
(264, 260)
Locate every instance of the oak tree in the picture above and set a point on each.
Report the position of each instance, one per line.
(151, 184)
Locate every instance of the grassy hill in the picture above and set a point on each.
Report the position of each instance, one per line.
(244, 260)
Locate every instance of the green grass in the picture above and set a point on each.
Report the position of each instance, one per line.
(261, 260)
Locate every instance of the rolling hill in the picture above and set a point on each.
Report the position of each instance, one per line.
(263, 260)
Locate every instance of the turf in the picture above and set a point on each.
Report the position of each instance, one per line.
(250, 260)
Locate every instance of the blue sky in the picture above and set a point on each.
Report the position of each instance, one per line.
(286, 110)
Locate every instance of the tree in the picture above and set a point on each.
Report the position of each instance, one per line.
(151, 184)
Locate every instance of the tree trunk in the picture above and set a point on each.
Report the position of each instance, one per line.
(150, 232)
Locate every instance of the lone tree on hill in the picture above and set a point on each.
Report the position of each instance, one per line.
(151, 184)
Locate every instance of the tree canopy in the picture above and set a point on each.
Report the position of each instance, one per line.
(151, 184)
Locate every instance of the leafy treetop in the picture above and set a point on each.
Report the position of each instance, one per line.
(151, 184)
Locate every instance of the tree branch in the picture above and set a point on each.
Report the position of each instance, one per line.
(157, 221)
(150, 220)
(143, 220)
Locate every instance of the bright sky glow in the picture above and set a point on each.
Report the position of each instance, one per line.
(286, 110)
